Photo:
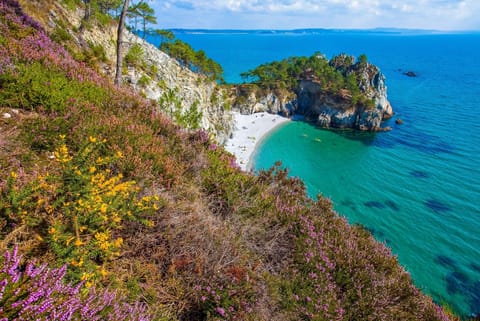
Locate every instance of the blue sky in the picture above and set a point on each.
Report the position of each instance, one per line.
(293, 14)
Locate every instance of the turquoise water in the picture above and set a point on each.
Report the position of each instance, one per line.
(417, 188)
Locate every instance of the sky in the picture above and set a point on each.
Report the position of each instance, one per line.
(331, 14)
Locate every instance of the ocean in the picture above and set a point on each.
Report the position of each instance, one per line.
(417, 187)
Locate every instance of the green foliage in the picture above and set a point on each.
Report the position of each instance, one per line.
(98, 52)
(135, 56)
(337, 76)
(61, 35)
(153, 70)
(196, 61)
(362, 59)
(144, 81)
(72, 4)
(78, 209)
(166, 35)
(172, 106)
(143, 11)
(48, 89)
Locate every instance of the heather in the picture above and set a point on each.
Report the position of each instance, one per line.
(109, 196)
(37, 292)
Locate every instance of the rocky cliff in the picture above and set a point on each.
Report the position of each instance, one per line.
(153, 75)
(326, 108)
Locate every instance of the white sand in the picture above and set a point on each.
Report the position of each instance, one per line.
(249, 130)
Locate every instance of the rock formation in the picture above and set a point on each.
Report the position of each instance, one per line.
(324, 108)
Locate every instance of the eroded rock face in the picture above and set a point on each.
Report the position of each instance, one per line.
(190, 88)
(249, 99)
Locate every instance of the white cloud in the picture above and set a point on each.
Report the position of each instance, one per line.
(428, 14)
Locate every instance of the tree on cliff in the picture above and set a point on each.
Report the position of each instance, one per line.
(121, 26)
(147, 14)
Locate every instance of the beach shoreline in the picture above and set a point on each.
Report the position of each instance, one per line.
(248, 132)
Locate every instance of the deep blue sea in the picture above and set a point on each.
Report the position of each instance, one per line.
(417, 187)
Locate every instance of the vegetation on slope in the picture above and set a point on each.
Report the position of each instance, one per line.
(98, 180)
(196, 61)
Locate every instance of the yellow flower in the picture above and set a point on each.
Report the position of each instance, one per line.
(118, 242)
(76, 263)
(92, 169)
(119, 154)
(92, 139)
(103, 272)
(78, 242)
(13, 175)
(103, 208)
(52, 230)
(101, 237)
(62, 137)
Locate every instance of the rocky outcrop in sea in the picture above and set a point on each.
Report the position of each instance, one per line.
(325, 109)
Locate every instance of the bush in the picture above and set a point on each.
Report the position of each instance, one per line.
(135, 56)
(48, 89)
(78, 209)
(143, 81)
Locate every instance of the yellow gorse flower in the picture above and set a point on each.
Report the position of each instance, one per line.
(78, 242)
(92, 139)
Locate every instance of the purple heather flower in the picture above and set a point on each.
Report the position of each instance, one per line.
(220, 311)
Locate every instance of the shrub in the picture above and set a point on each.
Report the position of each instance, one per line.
(98, 52)
(49, 89)
(189, 118)
(61, 35)
(143, 81)
(135, 56)
(79, 209)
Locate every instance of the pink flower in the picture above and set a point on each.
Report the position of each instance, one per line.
(220, 311)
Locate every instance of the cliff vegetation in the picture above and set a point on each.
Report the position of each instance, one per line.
(121, 214)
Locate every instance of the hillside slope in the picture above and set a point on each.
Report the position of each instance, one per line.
(100, 180)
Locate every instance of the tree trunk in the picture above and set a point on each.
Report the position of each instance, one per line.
(121, 25)
(88, 10)
(144, 28)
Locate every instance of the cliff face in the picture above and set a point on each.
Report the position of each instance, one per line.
(154, 75)
(324, 108)
(189, 87)
(250, 99)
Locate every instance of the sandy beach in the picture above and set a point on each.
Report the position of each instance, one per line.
(249, 130)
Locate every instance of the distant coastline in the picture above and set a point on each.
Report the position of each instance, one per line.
(372, 31)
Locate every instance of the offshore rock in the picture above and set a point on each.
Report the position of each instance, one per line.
(324, 108)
